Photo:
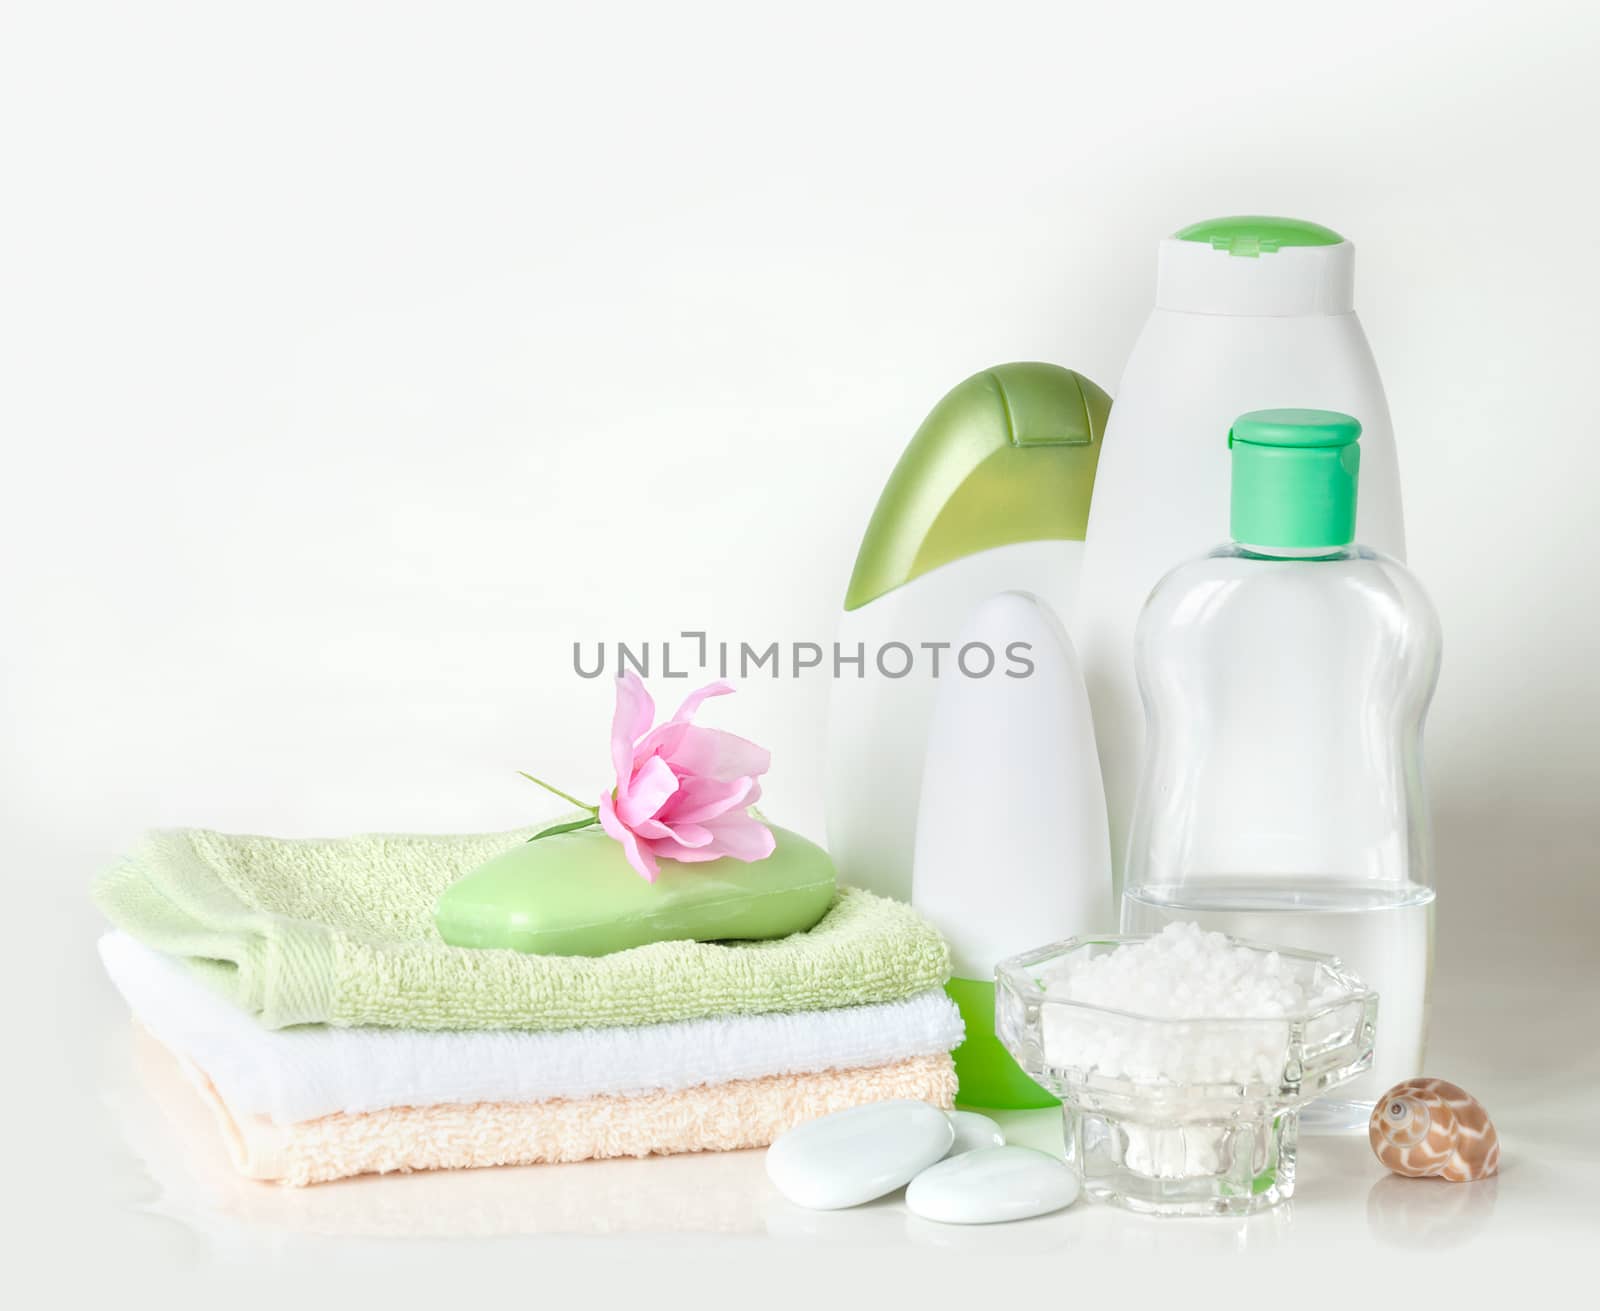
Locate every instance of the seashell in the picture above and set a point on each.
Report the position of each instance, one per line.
(1427, 1127)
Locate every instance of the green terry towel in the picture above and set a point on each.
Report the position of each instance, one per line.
(341, 932)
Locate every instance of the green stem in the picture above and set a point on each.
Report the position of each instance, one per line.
(593, 810)
(571, 827)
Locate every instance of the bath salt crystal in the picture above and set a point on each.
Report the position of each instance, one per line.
(1181, 973)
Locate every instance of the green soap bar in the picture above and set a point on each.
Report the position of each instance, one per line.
(575, 894)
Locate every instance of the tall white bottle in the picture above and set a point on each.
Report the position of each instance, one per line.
(1251, 313)
(1011, 835)
(992, 494)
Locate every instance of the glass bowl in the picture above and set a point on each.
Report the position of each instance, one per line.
(1183, 1116)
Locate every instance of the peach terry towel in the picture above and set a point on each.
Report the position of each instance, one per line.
(710, 1118)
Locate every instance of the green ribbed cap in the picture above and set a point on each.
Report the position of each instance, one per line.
(1294, 478)
(1253, 235)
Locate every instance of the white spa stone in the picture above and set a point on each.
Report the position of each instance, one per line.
(858, 1154)
(973, 1131)
(990, 1185)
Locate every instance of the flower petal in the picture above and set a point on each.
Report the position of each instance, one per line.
(738, 836)
(640, 857)
(711, 753)
(700, 799)
(693, 701)
(667, 849)
(693, 836)
(743, 837)
(649, 789)
(664, 738)
(629, 722)
(661, 740)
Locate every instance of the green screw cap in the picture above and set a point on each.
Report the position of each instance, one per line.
(1254, 235)
(1294, 478)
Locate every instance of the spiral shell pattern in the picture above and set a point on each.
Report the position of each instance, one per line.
(1427, 1127)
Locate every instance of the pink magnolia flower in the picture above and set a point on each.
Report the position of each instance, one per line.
(683, 792)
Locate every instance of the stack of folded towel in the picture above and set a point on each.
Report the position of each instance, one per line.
(304, 989)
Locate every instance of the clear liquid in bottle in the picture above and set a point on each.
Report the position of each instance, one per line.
(1385, 935)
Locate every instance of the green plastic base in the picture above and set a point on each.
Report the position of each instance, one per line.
(988, 1076)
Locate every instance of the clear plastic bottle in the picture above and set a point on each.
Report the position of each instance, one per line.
(1286, 676)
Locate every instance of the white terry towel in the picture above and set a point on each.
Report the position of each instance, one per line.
(290, 1075)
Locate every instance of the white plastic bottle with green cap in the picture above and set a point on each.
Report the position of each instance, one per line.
(962, 773)
(1251, 313)
(1286, 676)
(991, 495)
(1011, 830)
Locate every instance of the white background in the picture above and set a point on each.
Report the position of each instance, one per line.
(355, 359)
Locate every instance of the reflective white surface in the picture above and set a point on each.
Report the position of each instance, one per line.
(122, 1160)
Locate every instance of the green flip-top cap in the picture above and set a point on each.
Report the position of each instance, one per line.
(1294, 478)
(1254, 235)
(1007, 456)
